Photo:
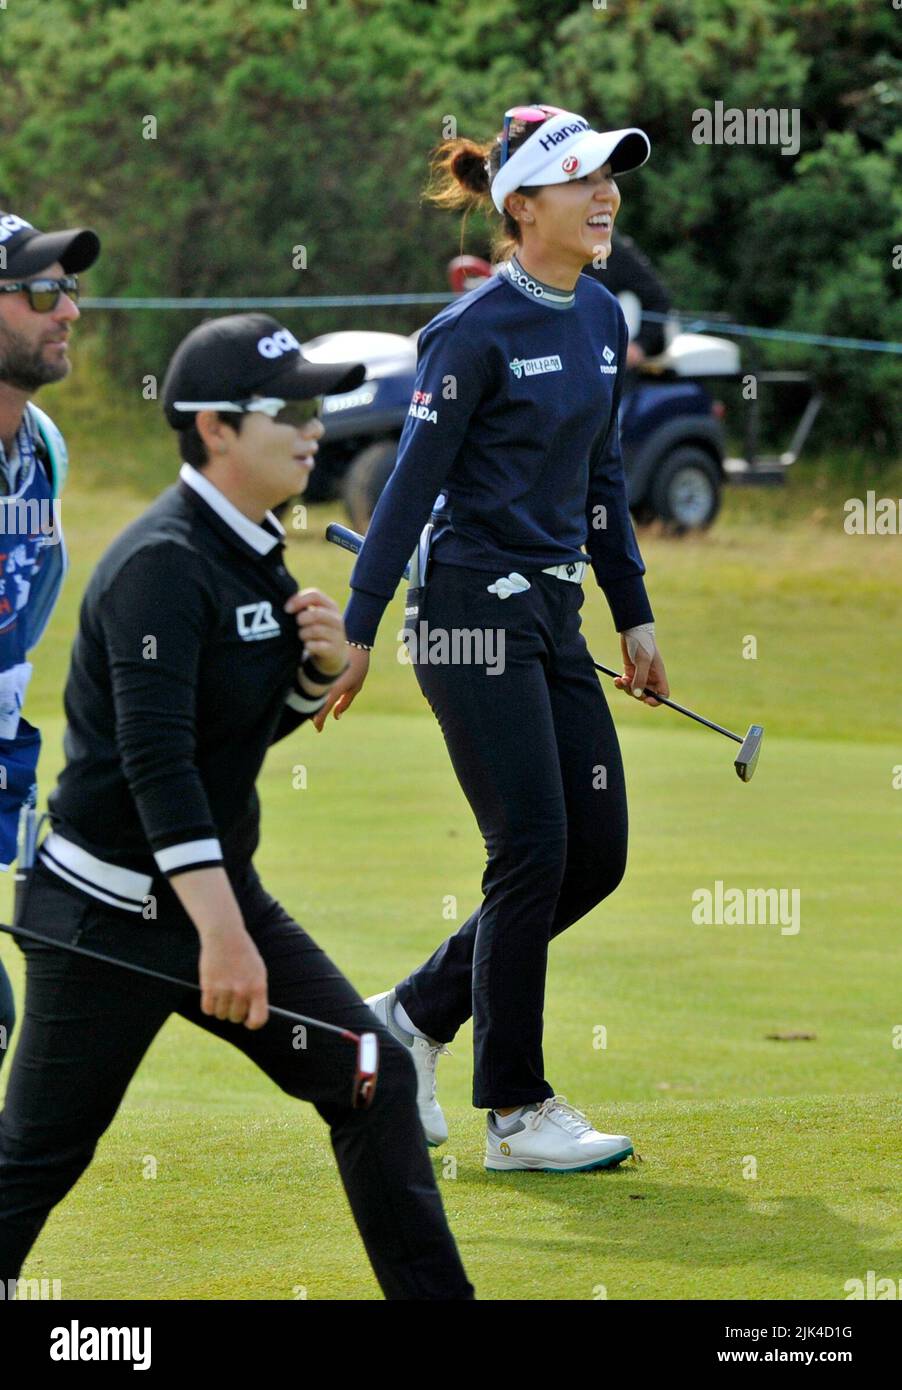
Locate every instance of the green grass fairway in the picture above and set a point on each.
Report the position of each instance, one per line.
(770, 1169)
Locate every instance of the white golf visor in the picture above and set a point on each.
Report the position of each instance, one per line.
(566, 148)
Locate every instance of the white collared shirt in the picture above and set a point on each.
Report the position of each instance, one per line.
(256, 536)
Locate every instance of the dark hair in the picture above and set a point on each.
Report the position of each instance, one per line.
(459, 178)
(193, 449)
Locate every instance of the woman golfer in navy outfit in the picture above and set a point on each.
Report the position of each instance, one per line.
(512, 447)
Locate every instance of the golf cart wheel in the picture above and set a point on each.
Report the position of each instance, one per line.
(685, 490)
(365, 479)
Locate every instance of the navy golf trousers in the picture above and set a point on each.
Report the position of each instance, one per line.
(536, 754)
(7, 1013)
(86, 1026)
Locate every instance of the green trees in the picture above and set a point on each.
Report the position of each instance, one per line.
(228, 148)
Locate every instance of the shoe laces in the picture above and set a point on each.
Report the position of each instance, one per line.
(560, 1112)
(433, 1054)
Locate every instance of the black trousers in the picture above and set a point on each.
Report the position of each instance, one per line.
(86, 1027)
(7, 1014)
(536, 754)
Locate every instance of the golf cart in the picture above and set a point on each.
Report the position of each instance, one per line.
(671, 426)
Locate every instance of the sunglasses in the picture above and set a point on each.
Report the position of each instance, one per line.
(294, 413)
(523, 115)
(44, 295)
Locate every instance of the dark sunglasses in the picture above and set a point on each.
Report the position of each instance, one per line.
(44, 295)
(294, 413)
(297, 413)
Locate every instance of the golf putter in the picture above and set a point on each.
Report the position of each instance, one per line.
(746, 759)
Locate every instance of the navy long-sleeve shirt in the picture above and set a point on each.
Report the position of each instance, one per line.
(513, 434)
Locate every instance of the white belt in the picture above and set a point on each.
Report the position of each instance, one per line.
(514, 583)
(574, 572)
(122, 888)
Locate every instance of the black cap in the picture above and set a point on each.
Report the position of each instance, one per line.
(29, 251)
(244, 355)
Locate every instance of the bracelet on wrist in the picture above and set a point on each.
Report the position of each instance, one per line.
(312, 672)
(362, 646)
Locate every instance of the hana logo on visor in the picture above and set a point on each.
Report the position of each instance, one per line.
(554, 137)
(570, 164)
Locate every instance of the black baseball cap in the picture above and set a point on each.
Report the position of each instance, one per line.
(244, 355)
(29, 251)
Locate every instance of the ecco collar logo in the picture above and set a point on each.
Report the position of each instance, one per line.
(520, 278)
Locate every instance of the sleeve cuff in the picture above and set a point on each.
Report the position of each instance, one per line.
(628, 601)
(305, 704)
(363, 615)
(193, 854)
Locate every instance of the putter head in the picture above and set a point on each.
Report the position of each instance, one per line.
(747, 757)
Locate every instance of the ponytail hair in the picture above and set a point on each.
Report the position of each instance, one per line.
(461, 173)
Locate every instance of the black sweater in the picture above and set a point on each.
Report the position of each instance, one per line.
(184, 671)
(628, 268)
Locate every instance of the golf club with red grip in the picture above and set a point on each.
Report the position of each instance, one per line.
(367, 1067)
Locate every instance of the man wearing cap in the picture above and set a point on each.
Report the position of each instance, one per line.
(38, 305)
(195, 653)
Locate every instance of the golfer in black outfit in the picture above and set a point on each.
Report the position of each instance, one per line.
(195, 652)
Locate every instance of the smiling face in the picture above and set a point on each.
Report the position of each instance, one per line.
(34, 347)
(569, 222)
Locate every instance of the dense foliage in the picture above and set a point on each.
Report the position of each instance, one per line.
(276, 128)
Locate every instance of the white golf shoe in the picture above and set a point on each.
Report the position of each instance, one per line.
(425, 1056)
(553, 1137)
